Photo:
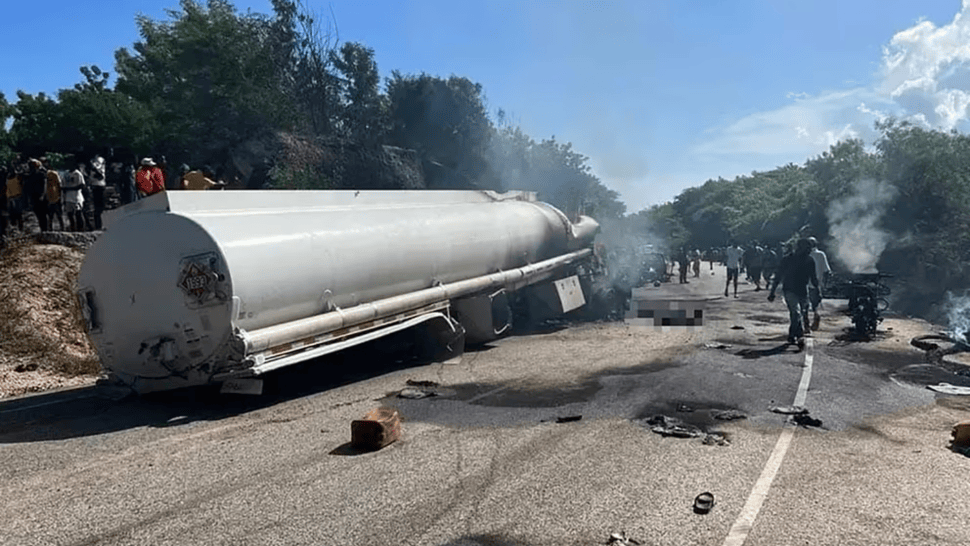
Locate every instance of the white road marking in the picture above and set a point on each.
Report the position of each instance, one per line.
(488, 393)
(742, 526)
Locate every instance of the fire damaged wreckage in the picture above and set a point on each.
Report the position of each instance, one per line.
(196, 288)
(866, 293)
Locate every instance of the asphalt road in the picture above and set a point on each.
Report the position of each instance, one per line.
(485, 461)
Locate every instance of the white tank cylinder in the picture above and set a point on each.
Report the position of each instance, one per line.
(174, 274)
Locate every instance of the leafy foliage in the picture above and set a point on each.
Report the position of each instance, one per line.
(445, 121)
(206, 82)
(209, 75)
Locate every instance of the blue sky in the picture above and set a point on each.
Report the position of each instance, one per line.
(660, 95)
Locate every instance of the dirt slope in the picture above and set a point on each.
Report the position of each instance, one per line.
(42, 341)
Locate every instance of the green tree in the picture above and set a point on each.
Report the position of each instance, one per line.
(209, 75)
(363, 114)
(446, 122)
(36, 123)
(93, 117)
(6, 140)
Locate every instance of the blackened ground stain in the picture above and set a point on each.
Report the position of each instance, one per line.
(701, 414)
(558, 395)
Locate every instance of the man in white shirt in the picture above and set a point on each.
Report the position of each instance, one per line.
(733, 261)
(73, 198)
(821, 270)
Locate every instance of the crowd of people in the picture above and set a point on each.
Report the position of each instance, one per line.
(801, 269)
(75, 198)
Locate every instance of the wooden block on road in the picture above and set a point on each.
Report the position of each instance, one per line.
(380, 427)
(961, 433)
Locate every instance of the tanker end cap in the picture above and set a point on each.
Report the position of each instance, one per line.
(582, 233)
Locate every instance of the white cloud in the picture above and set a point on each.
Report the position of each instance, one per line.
(926, 71)
(923, 77)
(805, 127)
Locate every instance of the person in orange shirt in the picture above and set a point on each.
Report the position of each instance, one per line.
(149, 179)
(198, 180)
(15, 197)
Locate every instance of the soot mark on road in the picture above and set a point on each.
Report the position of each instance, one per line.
(522, 396)
(702, 414)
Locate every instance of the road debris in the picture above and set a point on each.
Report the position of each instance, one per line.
(564, 419)
(416, 394)
(788, 410)
(670, 426)
(961, 434)
(728, 415)
(379, 428)
(703, 503)
(947, 388)
(805, 420)
(620, 539)
(417, 390)
(427, 384)
(716, 439)
(717, 346)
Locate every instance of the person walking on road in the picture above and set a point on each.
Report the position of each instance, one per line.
(796, 272)
(754, 261)
(769, 264)
(822, 269)
(732, 259)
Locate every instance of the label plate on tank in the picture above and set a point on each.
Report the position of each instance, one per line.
(200, 280)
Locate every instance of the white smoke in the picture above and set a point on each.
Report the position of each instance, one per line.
(958, 316)
(854, 221)
(628, 243)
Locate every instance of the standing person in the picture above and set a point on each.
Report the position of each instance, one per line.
(697, 262)
(822, 270)
(53, 192)
(35, 187)
(73, 198)
(796, 272)
(732, 259)
(683, 262)
(129, 189)
(15, 197)
(167, 175)
(769, 264)
(149, 178)
(754, 260)
(97, 180)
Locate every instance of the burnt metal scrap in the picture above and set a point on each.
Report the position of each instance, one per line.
(866, 293)
(936, 353)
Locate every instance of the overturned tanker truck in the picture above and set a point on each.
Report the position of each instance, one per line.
(196, 288)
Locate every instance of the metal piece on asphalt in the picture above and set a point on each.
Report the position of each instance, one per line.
(703, 503)
(788, 410)
(947, 388)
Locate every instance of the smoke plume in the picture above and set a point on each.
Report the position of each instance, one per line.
(628, 244)
(854, 221)
(958, 316)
